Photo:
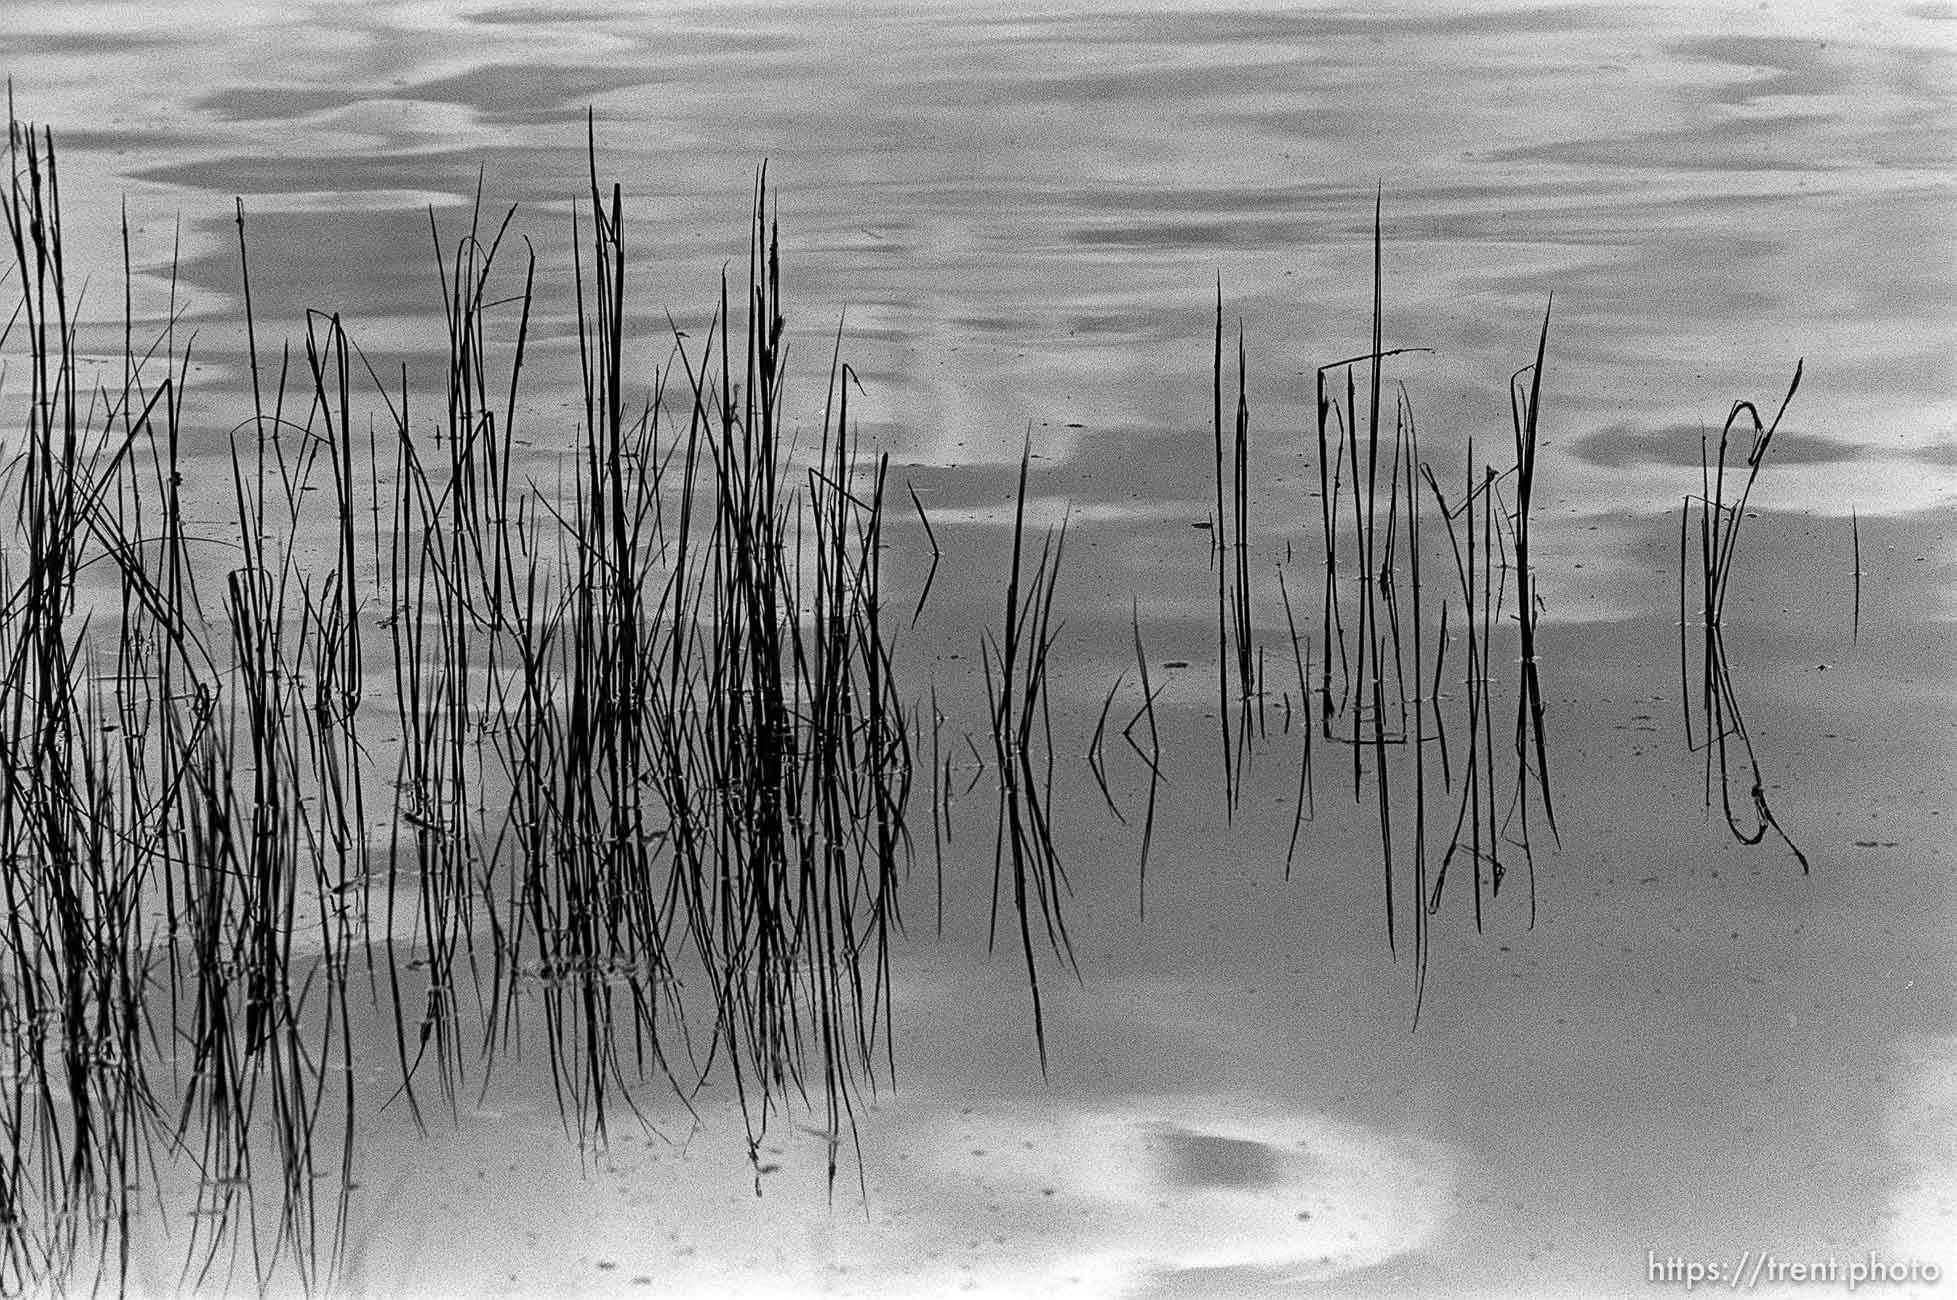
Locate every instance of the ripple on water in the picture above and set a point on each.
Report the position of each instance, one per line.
(1147, 1188)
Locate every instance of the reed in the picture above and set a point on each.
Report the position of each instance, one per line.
(1721, 734)
(1855, 535)
(1404, 421)
(1305, 807)
(1015, 666)
(1477, 624)
(1219, 529)
(1096, 762)
(1152, 757)
(1526, 411)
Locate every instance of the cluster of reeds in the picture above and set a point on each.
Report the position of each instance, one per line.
(74, 1015)
(1384, 637)
(646, 786)
(1486, 825)
(651, 733)
(1380, 689)
(1721, 731)
(159, 852)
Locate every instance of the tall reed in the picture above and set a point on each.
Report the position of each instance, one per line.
(1722, 733)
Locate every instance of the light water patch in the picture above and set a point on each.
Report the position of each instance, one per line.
(1147, 1187)
(1005, 1199)
(1922, 1211)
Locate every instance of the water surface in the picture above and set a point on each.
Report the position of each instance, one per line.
(1020, 218)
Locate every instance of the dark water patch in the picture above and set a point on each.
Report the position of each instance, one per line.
(1241, 234)
(1307, 216)
(272, 103)
(1190, 1159)
(253, 174)
(361, 265)
(1335, 199)
(1293, 52)
(1628, 443)
(119, 141)
(1522, 20)
(529, 93)
(1312, 122)
(1001, 327)
(83, 43)
(1942, 451)
(513, 93)
(1186, 85)
(534, 15)
(1793, 67)
(1249, 27)
(1718, 146)
(1603, 212)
